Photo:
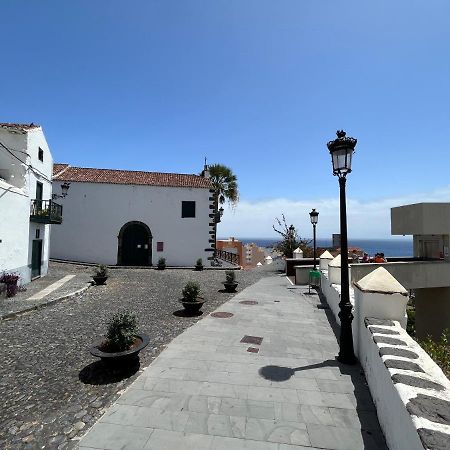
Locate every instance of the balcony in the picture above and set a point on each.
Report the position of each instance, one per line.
(45, 211)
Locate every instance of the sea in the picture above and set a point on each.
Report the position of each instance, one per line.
(390, 247)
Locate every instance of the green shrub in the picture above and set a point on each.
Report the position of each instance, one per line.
(101, 270)
(230, 276)
(411, 324)
(199, 262)
(191, 291)
(162, 263)
(439, 351)
(121, 331)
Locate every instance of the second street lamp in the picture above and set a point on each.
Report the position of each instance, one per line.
(314, 216)
(341, 150)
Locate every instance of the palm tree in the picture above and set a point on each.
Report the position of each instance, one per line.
(226, 189)
(225, 184)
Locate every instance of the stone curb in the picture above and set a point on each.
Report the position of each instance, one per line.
(13, 315)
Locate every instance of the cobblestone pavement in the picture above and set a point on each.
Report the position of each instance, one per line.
(51, 389)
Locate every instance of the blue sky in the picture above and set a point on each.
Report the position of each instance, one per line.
(260, 86)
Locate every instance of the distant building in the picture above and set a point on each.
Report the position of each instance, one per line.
(254, 255)
(26, 205)
(336, 240)
(232, 245)
(133, 218)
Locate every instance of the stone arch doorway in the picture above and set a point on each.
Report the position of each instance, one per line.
(135, 245)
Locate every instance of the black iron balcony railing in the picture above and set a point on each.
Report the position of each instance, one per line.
(232, 258)
(45, 211)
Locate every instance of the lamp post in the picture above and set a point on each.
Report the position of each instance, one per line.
(314, 216)
(291, 233)
(341, 150)
(64, 188)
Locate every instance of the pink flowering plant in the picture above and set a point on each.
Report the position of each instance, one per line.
(10, 279)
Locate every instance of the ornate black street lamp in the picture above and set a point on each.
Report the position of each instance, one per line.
(314, 216)
(64, 189)
(341, 150)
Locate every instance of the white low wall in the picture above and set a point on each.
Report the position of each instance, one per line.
(302, 274)
(392, 395)
(400, 405)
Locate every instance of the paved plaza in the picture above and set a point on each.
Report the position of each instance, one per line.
(263, 378)
(52, 390)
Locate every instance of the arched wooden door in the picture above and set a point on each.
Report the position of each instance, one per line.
(135, 245)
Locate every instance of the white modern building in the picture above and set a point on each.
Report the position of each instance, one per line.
(26, 206)
(133, 218)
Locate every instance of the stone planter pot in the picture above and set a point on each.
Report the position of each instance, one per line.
(161, 267)
(99, 280)
(192, 307)
(198, 268)
(230, 287)
(121, 358)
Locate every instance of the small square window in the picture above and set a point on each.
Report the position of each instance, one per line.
(160, 246)
(187, 209)
(41, 154)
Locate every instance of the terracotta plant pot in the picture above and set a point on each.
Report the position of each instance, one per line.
(125, 357)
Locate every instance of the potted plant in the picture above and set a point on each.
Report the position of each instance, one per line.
(10, 279)
(199, 264)
(122, 342)
(191, 300)
(161, 263)
(230, 282)
(100, 274)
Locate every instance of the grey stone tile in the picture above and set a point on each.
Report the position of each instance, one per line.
(337, 438)
(204, 404)
(270, 394)
(260, 409)
(216, 425)
(328, 399)
(277, 431)
(225, 443)
(347, 418)
(315, 414)
(116, 437)
(338, 387)
(223, 390)
(141, 397)
(172, 440)
(233, 407)
(145, 417)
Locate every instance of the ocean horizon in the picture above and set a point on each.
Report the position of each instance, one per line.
(390, 247)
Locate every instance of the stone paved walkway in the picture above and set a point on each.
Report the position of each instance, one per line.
(209, 390)
(63, 280)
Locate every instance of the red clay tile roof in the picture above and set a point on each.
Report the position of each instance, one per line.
(19, 126)
(64, 172)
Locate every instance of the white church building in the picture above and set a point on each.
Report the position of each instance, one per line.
(26, 205)
(133, 218)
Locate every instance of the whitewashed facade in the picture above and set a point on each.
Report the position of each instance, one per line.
(26, 166)
(132, 218)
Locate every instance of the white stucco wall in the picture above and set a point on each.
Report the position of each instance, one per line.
(94, 213)
(43, 172)
(14, 223)
(17, 188)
